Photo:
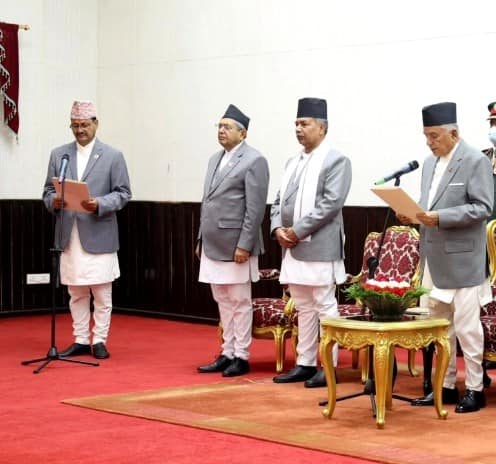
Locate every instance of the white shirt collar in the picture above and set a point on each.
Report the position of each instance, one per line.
(446, 159)
(87, 149)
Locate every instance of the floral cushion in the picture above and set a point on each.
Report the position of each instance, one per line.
(489, 327)
(490, 308)
(399, 256)
(398, 261)
(269, 312)
(268, 274)
(346, 310)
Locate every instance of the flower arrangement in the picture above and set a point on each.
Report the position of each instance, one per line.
(386, 299)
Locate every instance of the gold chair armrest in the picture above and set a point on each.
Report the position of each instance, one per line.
(290, 307)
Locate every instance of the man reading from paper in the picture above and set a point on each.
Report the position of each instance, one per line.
(457, 195)
(89, 240)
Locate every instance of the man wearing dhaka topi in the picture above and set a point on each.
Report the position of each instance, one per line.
(89, 239)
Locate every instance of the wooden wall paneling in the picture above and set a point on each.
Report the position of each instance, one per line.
(26, 229)
(185, 296)
(159, 271)
(271, 259)
(36, 253)
(179, 260)
(5, 256)
(138, 249)
(199, 294)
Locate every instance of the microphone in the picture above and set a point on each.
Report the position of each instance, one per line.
(63, 168)
(411, 166)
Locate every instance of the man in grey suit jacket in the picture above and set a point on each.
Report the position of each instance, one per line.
(307, 220)
(457, 196)
(229, 239)
(89, 239)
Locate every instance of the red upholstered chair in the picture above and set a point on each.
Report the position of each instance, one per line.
(272, 318)
(399, 259)
(488, 312)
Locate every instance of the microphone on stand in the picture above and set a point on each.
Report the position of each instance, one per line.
(63, 168)
(373, 261)
(372, 264)
(411, 166)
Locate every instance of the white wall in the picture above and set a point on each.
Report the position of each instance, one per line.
(166, 70)
(58, 62)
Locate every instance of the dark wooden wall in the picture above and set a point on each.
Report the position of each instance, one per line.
(159, 271)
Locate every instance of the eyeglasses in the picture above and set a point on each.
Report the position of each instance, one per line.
(226, 127)
(83, 125)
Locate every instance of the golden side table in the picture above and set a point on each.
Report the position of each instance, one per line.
(353, 333)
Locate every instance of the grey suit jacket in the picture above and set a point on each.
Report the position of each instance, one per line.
(325, 222)
(233, 206)
(108, 181)
(456, 249)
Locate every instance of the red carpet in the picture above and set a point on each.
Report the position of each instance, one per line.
(146, 354)
(289, 414)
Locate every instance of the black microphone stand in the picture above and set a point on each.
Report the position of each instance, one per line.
(369, 387)
(53, 354)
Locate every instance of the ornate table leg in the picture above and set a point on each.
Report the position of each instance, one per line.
(411, 363)
(443, 355)
(326, 345)
(389, 378)
(382, 360)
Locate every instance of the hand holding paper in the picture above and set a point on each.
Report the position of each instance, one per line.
(401, 203)
(57, 203)
(90, 205)
(429, 218)
(74, 194)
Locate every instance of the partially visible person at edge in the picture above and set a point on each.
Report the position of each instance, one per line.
(89, 239)
(230, 240)
(457, 196)
(307, 221)
(491, 152)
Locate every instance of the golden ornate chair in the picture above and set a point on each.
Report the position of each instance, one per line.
(488, 312)
(399, 260)
(272, 318)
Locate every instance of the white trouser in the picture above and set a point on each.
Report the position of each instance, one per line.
(80, 311)
(313, 304)
(464, 317)
(236, 316)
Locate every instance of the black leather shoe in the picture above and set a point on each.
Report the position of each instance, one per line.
(237, 367)
(472, 401)
(100, 351)
(490, 364)
(450, 396)
(297, 374)
(76, 349)
(486, 380)
(318, 380)
(219, 365)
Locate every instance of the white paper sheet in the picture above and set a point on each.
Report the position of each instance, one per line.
(399, 201)
(74, 193)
